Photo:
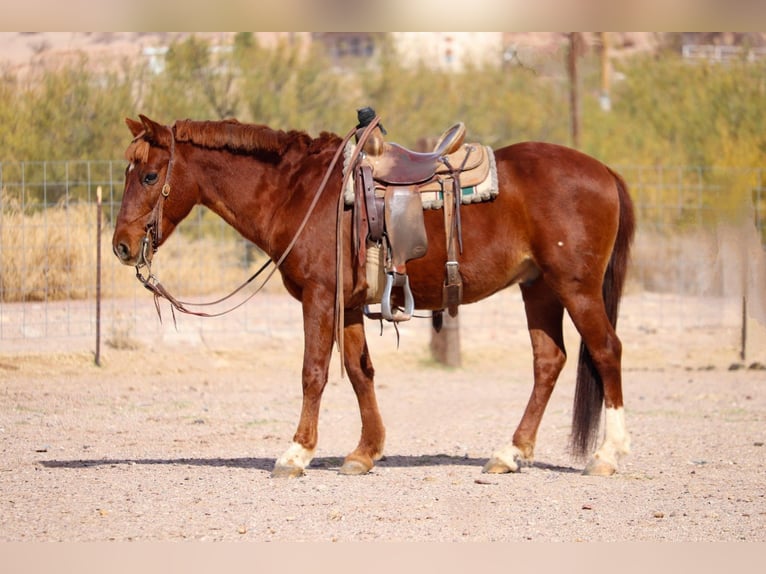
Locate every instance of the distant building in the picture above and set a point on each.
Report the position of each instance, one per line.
(449, 50)
(440, 50)
(349, 47)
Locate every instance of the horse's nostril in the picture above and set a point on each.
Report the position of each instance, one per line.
(122, 251)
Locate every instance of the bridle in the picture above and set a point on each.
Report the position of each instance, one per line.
(153, 237)
(153, 227)
(152, 240)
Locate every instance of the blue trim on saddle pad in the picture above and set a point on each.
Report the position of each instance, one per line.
(487, 190)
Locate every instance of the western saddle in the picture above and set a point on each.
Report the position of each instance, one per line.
(389, 228)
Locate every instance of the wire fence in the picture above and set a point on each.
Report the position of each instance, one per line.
(49, 250)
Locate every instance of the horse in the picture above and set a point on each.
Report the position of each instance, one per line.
(561, 227)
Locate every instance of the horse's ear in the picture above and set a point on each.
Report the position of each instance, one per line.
(155, 132)
(134, 126)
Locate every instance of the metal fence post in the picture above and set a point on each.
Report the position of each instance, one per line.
(98, 276)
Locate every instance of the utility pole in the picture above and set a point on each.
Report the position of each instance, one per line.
(605, 98)
(575, 49)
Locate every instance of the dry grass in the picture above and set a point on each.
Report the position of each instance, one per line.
(51, 254)
(46, 254)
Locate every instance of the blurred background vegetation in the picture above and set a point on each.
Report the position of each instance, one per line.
(664, 109)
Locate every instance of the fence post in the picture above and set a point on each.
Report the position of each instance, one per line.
(745, 277)
(98, 276)
(445, 344)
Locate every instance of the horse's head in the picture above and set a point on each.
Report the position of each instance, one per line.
(147, 214)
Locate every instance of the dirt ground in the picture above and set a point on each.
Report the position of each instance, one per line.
(176, 440)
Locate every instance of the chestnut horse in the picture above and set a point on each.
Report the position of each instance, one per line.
(561, 227)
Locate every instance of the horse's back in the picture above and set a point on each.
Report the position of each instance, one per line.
(542, 172)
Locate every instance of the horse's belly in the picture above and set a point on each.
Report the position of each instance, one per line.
(481, 278)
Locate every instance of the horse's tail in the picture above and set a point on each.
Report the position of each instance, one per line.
(589, 391)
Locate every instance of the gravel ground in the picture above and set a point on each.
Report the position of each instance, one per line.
(176, 440)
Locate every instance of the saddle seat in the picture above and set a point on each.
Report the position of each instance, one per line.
(394, 164)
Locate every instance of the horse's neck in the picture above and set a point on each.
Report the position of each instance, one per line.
(247, 194)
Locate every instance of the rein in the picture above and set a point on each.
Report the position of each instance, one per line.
(339, 304)
(153, 238)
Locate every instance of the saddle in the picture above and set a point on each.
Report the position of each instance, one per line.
(394, 164)
(390, 182)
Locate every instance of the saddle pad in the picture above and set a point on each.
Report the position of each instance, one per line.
(433, 198)
(485, 190)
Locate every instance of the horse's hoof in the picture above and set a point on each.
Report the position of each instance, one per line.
(599, 467)
(284, 471)
(497, 466)
(354, 468)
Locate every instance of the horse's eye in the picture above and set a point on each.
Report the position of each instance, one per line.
(150, 178)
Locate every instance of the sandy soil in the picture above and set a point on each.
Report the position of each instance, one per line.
(176, 440)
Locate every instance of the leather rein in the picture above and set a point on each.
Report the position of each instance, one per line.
(153, 238)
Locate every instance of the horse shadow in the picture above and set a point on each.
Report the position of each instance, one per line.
(327, 463)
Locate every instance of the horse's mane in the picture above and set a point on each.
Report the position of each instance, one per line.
(248, 138)
(234, 136)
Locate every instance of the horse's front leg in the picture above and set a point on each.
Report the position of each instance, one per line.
(318, 312)
(360, 371)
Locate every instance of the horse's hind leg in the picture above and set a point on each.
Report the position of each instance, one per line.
(360, 371)
(589, 316)
(544, 320)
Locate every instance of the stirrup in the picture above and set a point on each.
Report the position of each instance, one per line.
(394, 279)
